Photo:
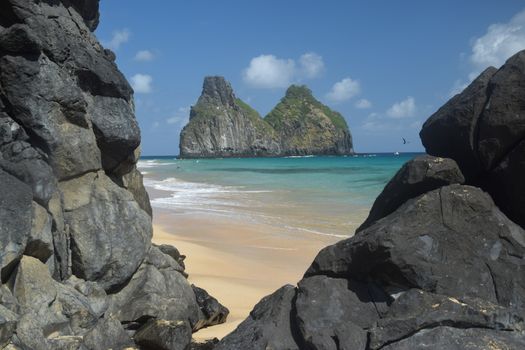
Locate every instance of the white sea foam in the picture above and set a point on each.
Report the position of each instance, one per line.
(319, 233)
(307, 156)
(187, 196)
(230, 201)
(150, 163)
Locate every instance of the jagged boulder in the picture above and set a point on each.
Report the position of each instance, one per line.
(424, 242)
(326, 309)
(75, 218)
(48, 308)
(419, 175)
(164, 335)
(40, 242)
(157, 290)
(268, 326)
(483, 129)
(450, 132)
(418, 311)
(109, 231)
(445, 262)
(15, 218)
(211, 312)
(107, 334)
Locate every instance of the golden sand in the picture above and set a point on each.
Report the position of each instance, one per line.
(237, 262)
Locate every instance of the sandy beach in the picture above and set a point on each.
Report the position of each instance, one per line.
(237, 262)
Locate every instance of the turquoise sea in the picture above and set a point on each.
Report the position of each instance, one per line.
(310, 195)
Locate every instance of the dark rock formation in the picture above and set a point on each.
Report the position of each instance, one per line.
(211, 311)
(78, 270)
(222, 125)
(418, 176)
(163, 335)
(483, 129)
(438, 264)
(268, 326)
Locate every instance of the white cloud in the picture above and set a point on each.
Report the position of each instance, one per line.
(459, 85)
(141, 83)
(312, 65)
(381, 124)
(268, 71)
(501, 41)
(344, 90)
(363, 104)
(119, 37)
(180, 118)
(144, 56)
(403, 109)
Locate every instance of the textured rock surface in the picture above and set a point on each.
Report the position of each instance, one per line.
(15, 216)
(438, 264)
(306, 126)
(483, 129)
(211, 312)
(156, 290)
(267, 327)
(420, 175)
(77, 266)
(222, 125)
(326, 309)
(164, 335)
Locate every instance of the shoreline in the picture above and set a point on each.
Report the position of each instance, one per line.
(237, 262)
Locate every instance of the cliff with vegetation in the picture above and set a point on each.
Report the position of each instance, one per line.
(222, 125)
(306, 126)
(78, 270)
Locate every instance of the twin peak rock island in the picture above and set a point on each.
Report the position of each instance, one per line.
(222, 125)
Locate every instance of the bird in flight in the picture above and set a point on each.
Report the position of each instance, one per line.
(404, 141)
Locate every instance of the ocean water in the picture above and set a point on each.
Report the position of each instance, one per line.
(295, 195)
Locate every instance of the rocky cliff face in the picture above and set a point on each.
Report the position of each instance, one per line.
(438, 264)
(306, 126)
(222, 125)
(78, 270)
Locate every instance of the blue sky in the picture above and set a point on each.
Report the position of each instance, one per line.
(385, 65)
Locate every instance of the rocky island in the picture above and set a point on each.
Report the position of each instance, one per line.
(222, 125)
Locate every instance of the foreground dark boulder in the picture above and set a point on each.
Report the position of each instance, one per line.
(269, 325)
(418, 176)
(422, 244)
(446, 258)
(483, 129)
(78, 270)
